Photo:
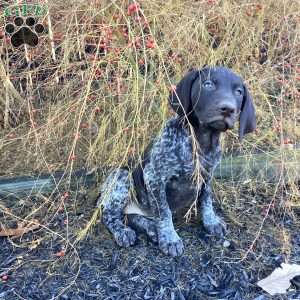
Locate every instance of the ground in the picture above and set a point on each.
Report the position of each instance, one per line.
(96, 268)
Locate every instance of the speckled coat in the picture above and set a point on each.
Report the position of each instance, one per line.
(177, 167)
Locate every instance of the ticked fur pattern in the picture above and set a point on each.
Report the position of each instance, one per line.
(168, 176)
(177, 168)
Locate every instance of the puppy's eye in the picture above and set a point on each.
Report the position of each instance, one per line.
(239, 92)
(208, 84)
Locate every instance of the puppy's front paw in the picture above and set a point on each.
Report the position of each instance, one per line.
(170, 243)
(216, 227)
(125, 237)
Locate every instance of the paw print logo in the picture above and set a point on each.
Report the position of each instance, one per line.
(24, 32)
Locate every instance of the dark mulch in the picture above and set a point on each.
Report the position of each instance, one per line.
(97, 269)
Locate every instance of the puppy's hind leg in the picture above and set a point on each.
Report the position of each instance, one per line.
(144, 225)
(115, 194)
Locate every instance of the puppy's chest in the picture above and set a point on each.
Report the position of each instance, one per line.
(183, 186)
(190, 161)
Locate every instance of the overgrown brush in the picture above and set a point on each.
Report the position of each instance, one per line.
(94, 91)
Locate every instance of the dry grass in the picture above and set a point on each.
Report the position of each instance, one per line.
(94, 91)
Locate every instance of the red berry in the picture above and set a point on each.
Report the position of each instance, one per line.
(4, 277)
(133, 8)
(97, 109)
(117, 17)
(84, 125)
(57, 36)
(98, 72)
(76, 136)
(146, 24)
(150, 44)
(287, 141)
(61, 253)
(103, 45)
(137, 19)
(259, 7)
(248, 12)
(72, 157)
(92, 97)
(12, 135)
(131, 150)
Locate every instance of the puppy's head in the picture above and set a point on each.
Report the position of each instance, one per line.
(214, 97)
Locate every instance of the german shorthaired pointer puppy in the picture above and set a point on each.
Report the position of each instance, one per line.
(207, 102)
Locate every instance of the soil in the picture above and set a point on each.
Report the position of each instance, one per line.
(35, 267)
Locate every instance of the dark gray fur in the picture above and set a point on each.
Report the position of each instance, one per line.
(207, 102)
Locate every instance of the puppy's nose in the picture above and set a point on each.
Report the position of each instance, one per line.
(227, 109)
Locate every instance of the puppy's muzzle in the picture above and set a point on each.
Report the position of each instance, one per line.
(226, 117)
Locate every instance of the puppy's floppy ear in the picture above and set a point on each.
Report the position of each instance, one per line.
(180, 98)
(247, 115)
